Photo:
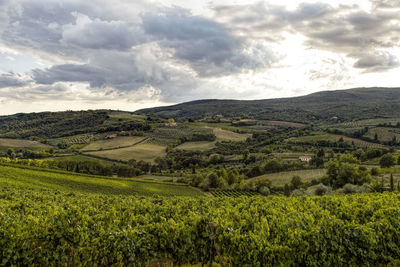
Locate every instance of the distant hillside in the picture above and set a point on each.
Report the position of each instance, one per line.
(346, 105)
(68, 123)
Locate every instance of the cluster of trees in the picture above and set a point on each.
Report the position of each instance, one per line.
(51, 124)
(346, 170)
(28, 154)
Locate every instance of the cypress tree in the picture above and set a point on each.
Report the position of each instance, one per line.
(391, 182)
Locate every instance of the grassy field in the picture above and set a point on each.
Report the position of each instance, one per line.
(224, 135)
(384, 134)
(6, 142)
(282, 178)
(200, 145)
(363, 123)
(333, 138)
(28, 177)
(221, 134)
(117, 142)
(145, 151)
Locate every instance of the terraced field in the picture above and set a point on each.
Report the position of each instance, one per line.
(117, 142)
(6, 142)
(383, 133)
(332, 138)
(363, 123)
(282, 178)
(144, 151)
(34, 178)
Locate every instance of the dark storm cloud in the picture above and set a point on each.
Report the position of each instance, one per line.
(208, 47)
(378, 61)
(110, 49)
(11, 80)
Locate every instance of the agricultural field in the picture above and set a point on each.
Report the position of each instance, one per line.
(384, 134)
(6, 142)
(232, 193)
(221, 125)
(291, 155)
(364, 123)
(165, 135)
(332, 138)
(199, 145)
(144, 151)
(225, 135)
(117, 142)
(78, 158)
(282, 178)
(92, 229)
(34, 178)
(72, 140)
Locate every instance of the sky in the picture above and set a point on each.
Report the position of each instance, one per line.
(124, 54)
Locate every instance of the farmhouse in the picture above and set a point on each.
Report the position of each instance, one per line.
(305, 158)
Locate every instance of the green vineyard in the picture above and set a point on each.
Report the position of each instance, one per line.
(49, 227)
(232, 193)
(36, 178)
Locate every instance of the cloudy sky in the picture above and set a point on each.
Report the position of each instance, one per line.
(125, 54)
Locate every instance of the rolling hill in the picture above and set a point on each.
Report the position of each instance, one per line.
(35, 178)
(339, 105)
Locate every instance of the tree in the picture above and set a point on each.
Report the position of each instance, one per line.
(286, 190)
(232, 177)
(346, 170)
(391, 182)
(317, 161)
(387, 161)
(246, 154)
(11, 153)
(321, 153)
(376, 137)
(296, 182)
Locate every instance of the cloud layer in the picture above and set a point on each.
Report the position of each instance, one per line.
(151, 51)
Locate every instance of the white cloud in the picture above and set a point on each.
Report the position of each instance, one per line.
(128, 54)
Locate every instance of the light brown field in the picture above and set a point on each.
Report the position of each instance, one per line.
(117, 142)
(6, 142)
(200, 145)
(333, 138)
(224, 135)
(144, 151)
(282, 178)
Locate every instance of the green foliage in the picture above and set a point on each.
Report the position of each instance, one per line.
(387, 161)
(355, 104)
(346, 169)
(391, 182)
(49, 228)
(296, 182)
(36, 178)
(68, 123)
